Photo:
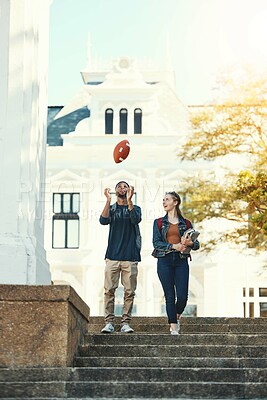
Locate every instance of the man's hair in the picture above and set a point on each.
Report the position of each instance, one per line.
(122, 182)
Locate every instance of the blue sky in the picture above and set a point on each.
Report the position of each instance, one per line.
(205, 36)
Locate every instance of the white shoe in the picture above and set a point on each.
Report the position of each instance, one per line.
(177, 330)
(108, 328)
(126, 328)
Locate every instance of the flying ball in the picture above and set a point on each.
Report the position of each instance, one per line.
(121, 151)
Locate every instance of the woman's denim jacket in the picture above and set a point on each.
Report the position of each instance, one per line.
(161, 246)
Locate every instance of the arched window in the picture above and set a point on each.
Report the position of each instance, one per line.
(123, 120)
(138, 120)
(109, 121)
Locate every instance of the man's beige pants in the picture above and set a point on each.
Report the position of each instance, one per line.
(128, 271)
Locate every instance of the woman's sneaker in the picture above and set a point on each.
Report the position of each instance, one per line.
(108, 328)
(177, 330)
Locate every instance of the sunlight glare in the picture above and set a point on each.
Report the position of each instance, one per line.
(257, 36)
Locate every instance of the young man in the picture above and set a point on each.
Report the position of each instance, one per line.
(123, 253)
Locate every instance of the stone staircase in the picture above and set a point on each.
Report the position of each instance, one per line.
(212, 358)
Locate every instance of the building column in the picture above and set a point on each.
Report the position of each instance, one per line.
(24, 34)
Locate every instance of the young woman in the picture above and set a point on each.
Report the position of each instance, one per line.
(172, 266)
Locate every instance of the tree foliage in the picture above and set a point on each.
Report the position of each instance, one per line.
(235, 124)
(252, 189)
(228, 128)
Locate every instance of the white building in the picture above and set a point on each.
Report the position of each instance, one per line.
(137, 102)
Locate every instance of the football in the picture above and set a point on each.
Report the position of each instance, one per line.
(121, 151)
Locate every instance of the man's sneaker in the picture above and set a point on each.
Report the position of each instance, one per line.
(108, 328)
(126, 328)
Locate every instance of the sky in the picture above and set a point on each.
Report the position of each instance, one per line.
(205, 38)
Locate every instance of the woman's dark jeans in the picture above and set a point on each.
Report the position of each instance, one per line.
(173, 273)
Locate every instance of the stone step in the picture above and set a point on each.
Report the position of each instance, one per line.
(189, 339)
(188, 325)
(176, 389)
(132, 390)
(155, 374)
(175, 350)
(213, 358)
(198, 328)
(137, 374)
(155, 328)
(186, 362)
(186, 320)
(224, 328)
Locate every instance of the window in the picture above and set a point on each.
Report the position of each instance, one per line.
(263, 310)
(65, 229)
(250, 292)
(123, 120)
(251, 310)
(137, 120)
(255, 302)
(263, 292)
(263, 304)
(190, 310)
(118, 309)
(109, 121)
(119, 300)
(163, 309)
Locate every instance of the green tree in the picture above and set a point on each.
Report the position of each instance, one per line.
(235, 124)
(252, 189)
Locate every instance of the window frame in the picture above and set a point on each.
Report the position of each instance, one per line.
(66, 216)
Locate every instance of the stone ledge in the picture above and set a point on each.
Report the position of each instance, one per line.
(50, 293)
(40, 325)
